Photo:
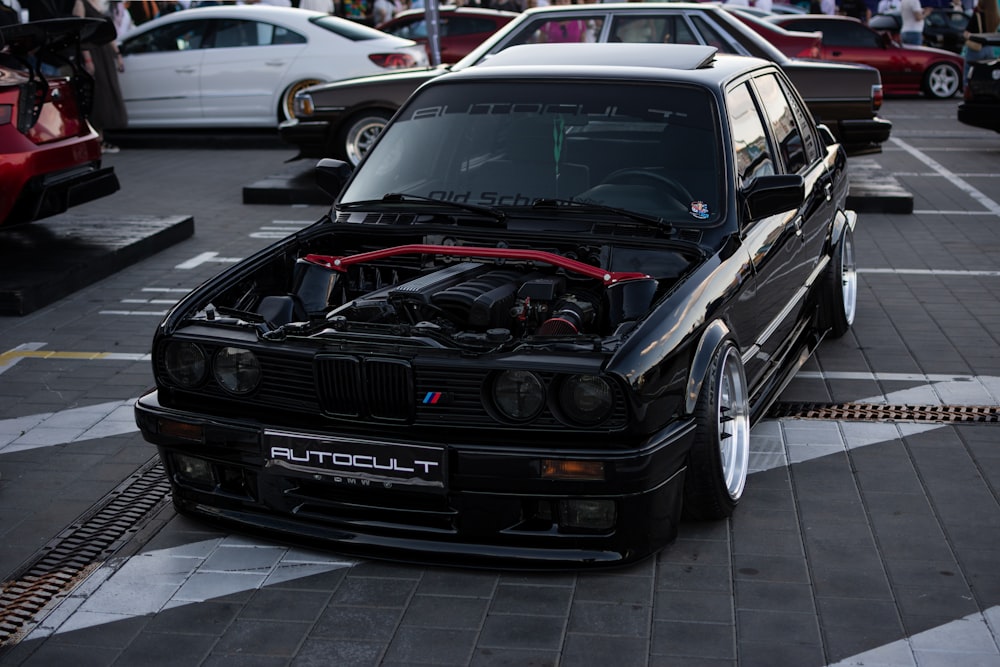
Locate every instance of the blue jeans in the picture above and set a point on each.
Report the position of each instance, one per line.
(912, 37)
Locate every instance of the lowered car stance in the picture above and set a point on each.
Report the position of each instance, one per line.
(537, 324)
(905, 69)
(342, 119)
(50, 156)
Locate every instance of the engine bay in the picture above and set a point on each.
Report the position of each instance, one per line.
(470, 297)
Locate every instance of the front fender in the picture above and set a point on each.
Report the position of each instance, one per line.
(711, 338)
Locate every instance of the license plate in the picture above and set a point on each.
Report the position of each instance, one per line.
(364, 463)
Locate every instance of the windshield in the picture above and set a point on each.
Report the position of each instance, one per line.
(652, 149)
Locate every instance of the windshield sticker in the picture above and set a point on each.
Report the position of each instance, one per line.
(699, 209)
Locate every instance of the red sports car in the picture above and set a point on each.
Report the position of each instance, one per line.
(793, 43)
(905, 69)
(50, 156)
(461, 28)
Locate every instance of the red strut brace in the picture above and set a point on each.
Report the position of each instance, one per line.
(608, 277)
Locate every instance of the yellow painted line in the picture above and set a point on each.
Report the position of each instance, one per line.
(42, 354)
(31, 351)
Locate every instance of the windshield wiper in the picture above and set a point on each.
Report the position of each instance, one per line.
(400, 197)
(549, 202)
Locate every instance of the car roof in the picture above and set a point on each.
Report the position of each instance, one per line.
(453, 9)
(671, 56)
(611, 60)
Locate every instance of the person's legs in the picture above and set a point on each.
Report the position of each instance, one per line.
(911, 37)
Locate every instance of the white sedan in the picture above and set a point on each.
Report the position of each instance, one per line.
(240, 66)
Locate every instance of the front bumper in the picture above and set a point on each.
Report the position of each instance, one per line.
(493, 509)
(986, 116)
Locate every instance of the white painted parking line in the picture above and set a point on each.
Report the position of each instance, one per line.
(279, 229)
(934, 272)
(155, 313)
(205, 258)
(952, 178)
(180, 290)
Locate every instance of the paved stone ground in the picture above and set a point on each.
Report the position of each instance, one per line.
(857, 543)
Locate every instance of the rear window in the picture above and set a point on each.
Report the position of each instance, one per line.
(356, 32)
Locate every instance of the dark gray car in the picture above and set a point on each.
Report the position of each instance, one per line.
(341, 119)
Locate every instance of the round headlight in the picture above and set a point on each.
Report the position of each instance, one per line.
(184, 363)
(237, 370)
(585, 399)
(518, 395)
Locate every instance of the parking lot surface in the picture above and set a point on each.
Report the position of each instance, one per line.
(869, 533)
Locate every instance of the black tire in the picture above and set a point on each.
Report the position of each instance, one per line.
(840, 288)
(942, 81)
(717, 465)
(358, 134)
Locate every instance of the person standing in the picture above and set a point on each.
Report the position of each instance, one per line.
(318, 5)
(104, 63)
(985, 18)
(912, 30)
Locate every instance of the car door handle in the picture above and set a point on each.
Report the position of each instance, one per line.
(836, 53)
(185, 70)
(275, 63)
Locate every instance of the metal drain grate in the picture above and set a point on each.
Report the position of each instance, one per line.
(878, 412)
(79, 550)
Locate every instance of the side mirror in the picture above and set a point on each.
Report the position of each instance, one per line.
(331, 175)
(773, 194)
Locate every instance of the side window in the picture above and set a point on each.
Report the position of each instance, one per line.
(784, 125)
(413, 30)
(466, 25)
(711, 36)
(280, 35)
(230, 33)
(577, 29)
(180, 36)
(753, 156)
(642, 30)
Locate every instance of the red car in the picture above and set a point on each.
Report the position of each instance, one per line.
(794, 44)
(50, 156)
(905, 69)
(461, 28)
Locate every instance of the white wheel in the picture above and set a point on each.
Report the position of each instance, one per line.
(720, 457)
(942, 80)
(360, 132)
(840, 288)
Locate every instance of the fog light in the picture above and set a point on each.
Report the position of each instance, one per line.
(587, 514)
(193, 469)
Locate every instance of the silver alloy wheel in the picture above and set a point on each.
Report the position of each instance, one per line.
(361, 135)
(733, 419)
(848, 278)
(943, 80)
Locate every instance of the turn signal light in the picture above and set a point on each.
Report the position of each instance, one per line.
(193, 432)
(567, 469)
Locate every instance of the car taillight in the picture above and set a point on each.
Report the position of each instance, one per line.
(877, 97)
(6, 113)
(393, 60)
